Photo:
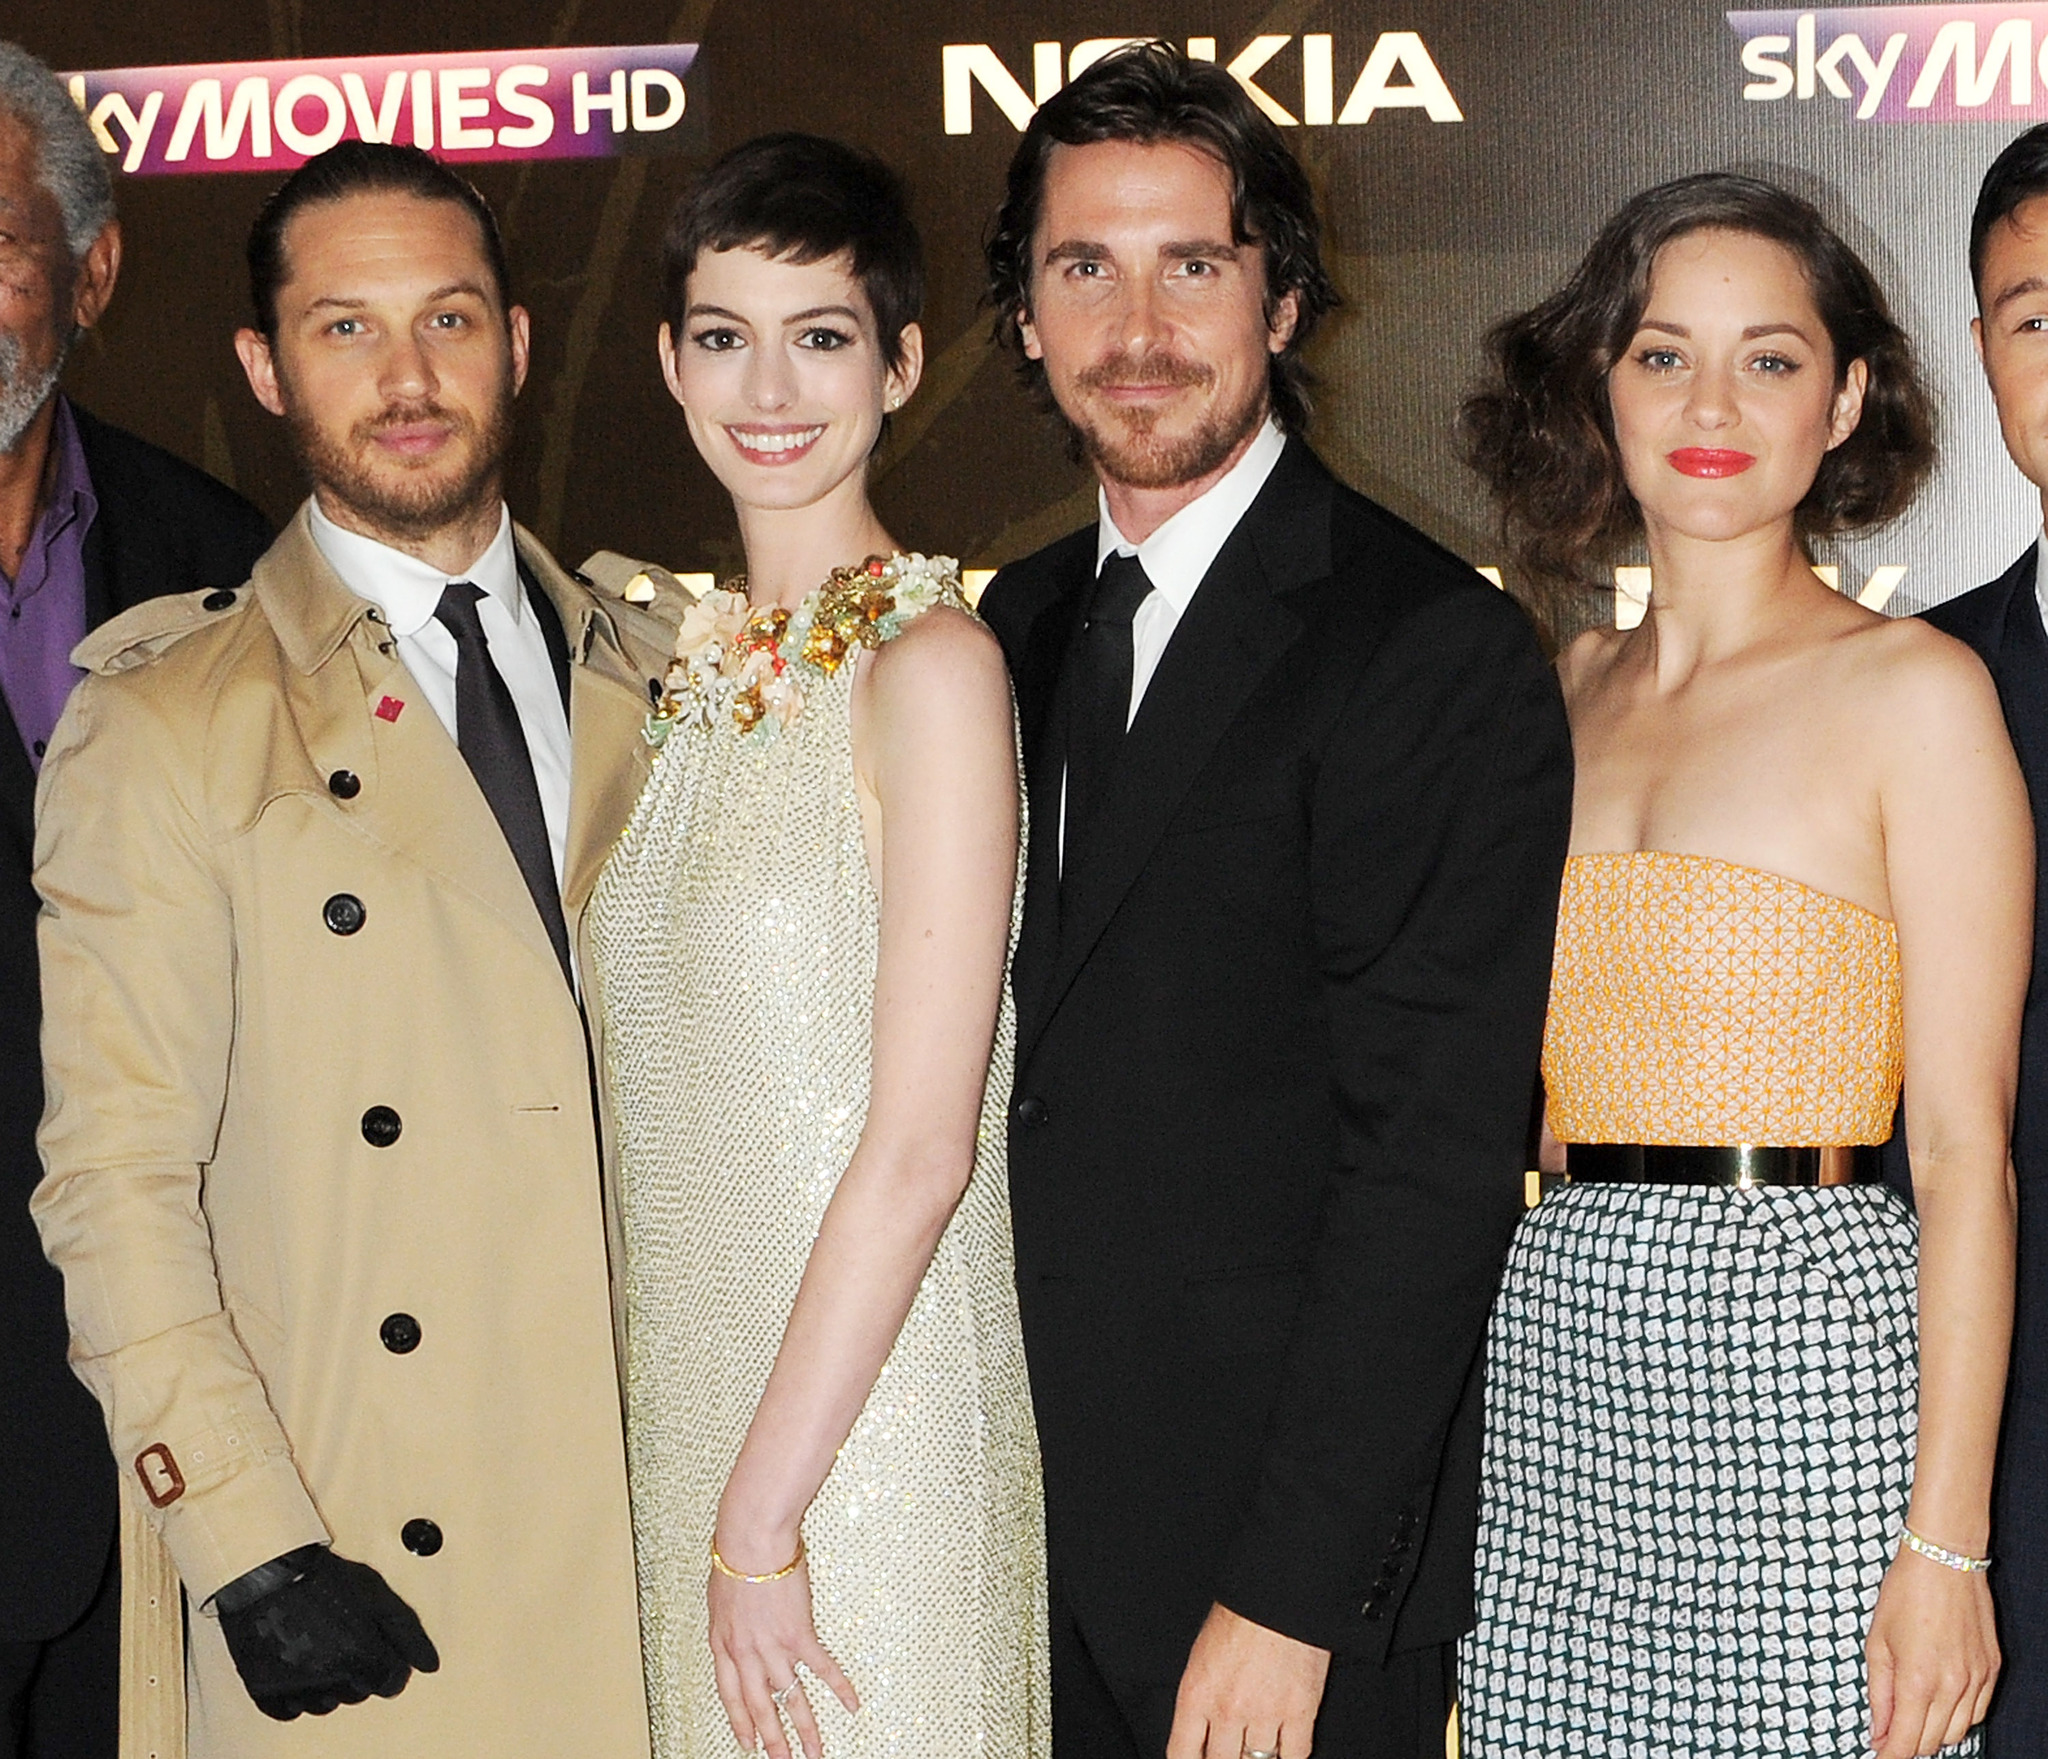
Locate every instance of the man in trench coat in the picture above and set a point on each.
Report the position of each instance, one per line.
(322, 1165)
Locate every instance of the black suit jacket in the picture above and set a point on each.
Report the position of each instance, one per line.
(1277, 1050)
(162, 527)
(2002, 622)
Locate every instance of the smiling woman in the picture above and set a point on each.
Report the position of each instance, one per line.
(801, 942)
(1729, 1381)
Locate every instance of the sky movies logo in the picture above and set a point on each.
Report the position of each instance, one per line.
(490, 104)
(1901, 63)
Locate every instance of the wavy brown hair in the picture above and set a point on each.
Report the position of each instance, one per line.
(1539, 429)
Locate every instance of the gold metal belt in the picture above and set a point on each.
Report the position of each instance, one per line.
(1742, 1167)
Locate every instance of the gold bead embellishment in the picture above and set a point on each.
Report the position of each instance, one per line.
(753, 662)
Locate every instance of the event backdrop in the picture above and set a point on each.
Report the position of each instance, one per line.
(1465, 153)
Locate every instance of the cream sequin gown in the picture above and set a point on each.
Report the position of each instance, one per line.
(735, 933)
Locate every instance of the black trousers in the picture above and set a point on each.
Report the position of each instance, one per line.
(60, 1698)
(1369, 1712)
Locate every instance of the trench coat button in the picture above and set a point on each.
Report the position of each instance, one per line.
(420, 1537)
(401, 1334)
(1029, 1111)
(221, 599)
(344, 913)
(381, 1126)
(344, 784)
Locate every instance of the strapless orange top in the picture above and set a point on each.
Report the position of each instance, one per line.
(1694, 1001)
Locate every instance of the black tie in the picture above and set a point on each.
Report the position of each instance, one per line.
(493, 744)
(1102, 688)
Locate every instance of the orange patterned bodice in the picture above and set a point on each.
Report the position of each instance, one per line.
(1694, 1001)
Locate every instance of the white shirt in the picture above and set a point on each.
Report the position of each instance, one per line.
(1179, 553)
(408, 590)
(1175, 558)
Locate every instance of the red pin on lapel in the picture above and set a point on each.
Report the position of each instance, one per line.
(390, 709)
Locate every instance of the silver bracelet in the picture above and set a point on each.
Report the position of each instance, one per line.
(1953, 1560)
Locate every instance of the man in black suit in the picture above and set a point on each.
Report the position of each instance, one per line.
(1300, 789)
(2003, 622)
(92, 520)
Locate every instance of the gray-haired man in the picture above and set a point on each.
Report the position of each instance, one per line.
(92, 520)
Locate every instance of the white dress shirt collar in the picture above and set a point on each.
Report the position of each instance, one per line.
(1179, 553)
(408, 590)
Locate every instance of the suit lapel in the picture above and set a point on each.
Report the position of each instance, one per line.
(17, 785)
(1042, 715)
(1231, 635)
(2019, 664)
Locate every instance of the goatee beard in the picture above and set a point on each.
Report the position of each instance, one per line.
(22, 400)
(1132, 455)
(406, 506)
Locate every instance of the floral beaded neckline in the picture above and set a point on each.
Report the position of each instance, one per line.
(753, 662)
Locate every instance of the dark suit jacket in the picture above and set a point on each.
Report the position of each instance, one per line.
(1276, 1057)
(2002, 622)
(162, 527)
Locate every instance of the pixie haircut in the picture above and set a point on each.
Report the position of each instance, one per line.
(799, 198)
(357, 167)
(1540, 430)
(1151, 94)
(2017, 175)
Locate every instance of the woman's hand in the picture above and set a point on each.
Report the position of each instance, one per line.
(760, 1631)
(1933, 1657)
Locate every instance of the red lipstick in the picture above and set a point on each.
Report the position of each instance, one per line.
(1709, 461)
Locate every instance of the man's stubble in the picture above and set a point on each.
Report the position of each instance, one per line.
(1128, 451)
(409, 505)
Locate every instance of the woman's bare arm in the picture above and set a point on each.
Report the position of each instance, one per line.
(1959, 859)
(934, 746)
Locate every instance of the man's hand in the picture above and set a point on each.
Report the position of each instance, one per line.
(1247, 1690)
(333, 1633)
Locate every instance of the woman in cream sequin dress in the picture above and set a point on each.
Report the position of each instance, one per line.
(799, 946)
(1741, 1410)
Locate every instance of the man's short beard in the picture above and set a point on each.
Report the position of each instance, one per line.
(409, 506)
(1131, 456)
(22, 399)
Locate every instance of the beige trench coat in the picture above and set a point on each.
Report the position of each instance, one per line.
(236, 1225)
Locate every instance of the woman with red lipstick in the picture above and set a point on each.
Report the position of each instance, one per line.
(799, 946)
(1742, 1406)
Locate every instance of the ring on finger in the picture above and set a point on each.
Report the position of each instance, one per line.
(781, 1699)
(1260, 1753)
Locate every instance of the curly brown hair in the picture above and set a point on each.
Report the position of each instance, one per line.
(1540, 432)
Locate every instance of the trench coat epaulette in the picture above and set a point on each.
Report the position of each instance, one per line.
(647, 585)
(145, 631)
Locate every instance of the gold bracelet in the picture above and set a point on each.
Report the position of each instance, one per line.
(789, 1569)
(1940, 1554)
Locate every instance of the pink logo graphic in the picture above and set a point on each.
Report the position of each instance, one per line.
(390, 709)
(490, 104)
(1901, 63)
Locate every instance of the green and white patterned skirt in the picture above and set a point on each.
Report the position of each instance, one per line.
(1700, 1410)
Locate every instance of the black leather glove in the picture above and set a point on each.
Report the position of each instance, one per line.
(331, 1632)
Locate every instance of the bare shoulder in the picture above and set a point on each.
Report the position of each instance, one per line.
(1910, 681)
(945, 658)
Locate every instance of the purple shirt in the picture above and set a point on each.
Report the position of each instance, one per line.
(45, 603)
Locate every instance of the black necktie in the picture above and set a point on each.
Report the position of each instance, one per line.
(1101, 700)
(493, 744)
